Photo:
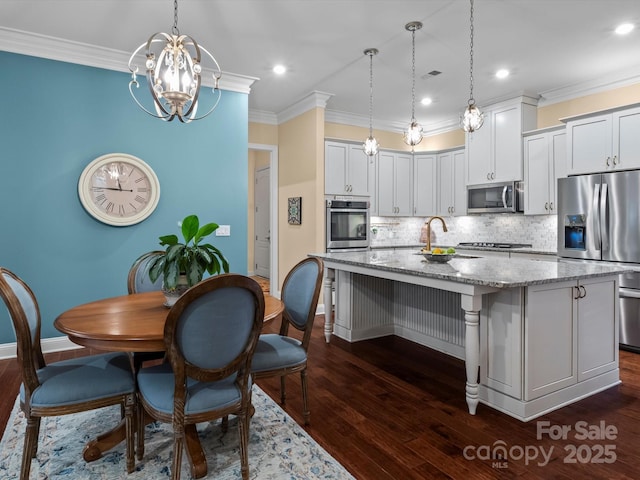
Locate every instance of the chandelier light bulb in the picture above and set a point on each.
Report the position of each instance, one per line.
(472, 118)
(413, 134)
(370, 146)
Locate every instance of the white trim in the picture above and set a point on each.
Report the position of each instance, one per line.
(28, 43)
(313, 100)
(55, 344)
(261, 116)
(273, 191)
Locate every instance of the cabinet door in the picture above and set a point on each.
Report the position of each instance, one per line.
(479, 163)
(446, 171)
(626, 144)
(358, 171)
(459, 183)
(507, 149)
(537, 175)
(597, 328)
(403, 185)
(558, 154)
(589, 144)
(336, 156)
(550, 338)
(424, 185)
(384, 190)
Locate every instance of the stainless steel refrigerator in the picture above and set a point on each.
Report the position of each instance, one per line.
(599, 219)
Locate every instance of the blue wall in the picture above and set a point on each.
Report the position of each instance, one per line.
(56, 118)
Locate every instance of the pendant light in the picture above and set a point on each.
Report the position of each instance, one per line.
(413, 135)
(173, 68)
(472, 118)
(370, 145)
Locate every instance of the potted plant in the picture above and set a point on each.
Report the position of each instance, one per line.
(183, 264)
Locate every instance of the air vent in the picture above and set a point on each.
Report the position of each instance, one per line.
(432, 73)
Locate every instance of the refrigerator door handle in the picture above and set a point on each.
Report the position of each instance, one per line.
(604, 225)
(628, 293)
(504, 196)
(595, 224)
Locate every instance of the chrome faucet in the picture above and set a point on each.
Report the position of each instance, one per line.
(444, 229)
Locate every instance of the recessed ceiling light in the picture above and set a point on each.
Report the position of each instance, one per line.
(279, 69)
(502, 73)
(426, 101)
(624, 28)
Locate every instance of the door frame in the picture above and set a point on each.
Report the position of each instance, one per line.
(273, 221)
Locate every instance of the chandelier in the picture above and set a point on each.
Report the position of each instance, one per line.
(370, 145)
(173, 68)
(472, 118)
(413, 135)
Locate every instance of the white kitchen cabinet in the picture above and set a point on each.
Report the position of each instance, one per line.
(538, 341)
(451, 185)
(545, 161)
(395, 184)
(604, 142)
(494, 152)
(425, 185)
(346, 169)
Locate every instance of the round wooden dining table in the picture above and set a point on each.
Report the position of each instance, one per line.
(129, 323)
(133, 323)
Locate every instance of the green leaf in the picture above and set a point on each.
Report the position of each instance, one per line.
(190, 226)
(169, 240)
(194, 273)
(156, 268)
(205, 230)
(171, 274)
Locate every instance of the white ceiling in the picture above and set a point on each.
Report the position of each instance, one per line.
(554, 48)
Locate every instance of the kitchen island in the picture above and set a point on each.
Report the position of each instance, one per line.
(534, 335)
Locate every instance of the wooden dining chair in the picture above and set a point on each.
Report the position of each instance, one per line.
(64, 387)
(280, 354)
(138, 281)
(210, 335)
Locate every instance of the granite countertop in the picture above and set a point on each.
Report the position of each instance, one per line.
(418, 246)
(492, 272)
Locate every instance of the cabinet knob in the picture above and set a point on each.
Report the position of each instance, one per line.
(551, 206)
(615, 160)
(584, 291)
(608, 161)
(493, 175)
(546, 205)
(577, 289)
(488, 176)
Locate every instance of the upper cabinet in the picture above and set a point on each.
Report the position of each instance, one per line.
(604, 142)
(346, 169)
(395, 184)
(451, 185)
(545, 161)
(494, 152)
(425, 184)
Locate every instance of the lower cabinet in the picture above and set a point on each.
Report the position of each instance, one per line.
(543, 338)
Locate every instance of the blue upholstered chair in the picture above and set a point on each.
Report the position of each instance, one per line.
(138, 280)
(210, 335)
(279, 354)
(65, 387)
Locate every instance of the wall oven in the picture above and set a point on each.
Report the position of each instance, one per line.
(347, 225)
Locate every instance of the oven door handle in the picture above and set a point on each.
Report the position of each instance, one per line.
(628, 293)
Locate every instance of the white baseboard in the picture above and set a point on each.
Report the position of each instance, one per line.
(56, 344)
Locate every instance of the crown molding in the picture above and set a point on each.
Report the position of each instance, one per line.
(262, 116)
(52, 48)
(313, 100)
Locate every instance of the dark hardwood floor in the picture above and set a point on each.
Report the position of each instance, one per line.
(388, 409)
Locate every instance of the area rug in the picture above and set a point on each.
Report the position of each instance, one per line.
(278, 448)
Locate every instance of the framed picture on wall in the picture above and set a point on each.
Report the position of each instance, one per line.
(295, 210)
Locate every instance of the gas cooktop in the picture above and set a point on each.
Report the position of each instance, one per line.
(494, 245)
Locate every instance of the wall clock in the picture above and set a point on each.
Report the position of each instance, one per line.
(119, 189)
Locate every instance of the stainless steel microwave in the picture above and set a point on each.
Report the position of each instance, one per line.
(506, 197)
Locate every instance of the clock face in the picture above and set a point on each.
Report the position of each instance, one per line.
(119, 189)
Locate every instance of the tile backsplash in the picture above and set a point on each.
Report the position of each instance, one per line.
(538, 230)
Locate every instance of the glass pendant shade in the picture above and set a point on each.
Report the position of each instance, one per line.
(173, 65)
(413, 134)
(472, 118)
(370, 146)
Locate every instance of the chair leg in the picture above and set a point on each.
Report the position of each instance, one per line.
(243, 430)
(131, 422)
(30, 446)
(283, 392)
(305, 397)
(178, 443)
(224, 424)
(140, 429)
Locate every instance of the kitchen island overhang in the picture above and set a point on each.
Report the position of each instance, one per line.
(495, 314)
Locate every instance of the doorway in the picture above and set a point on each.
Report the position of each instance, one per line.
(264, 177)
